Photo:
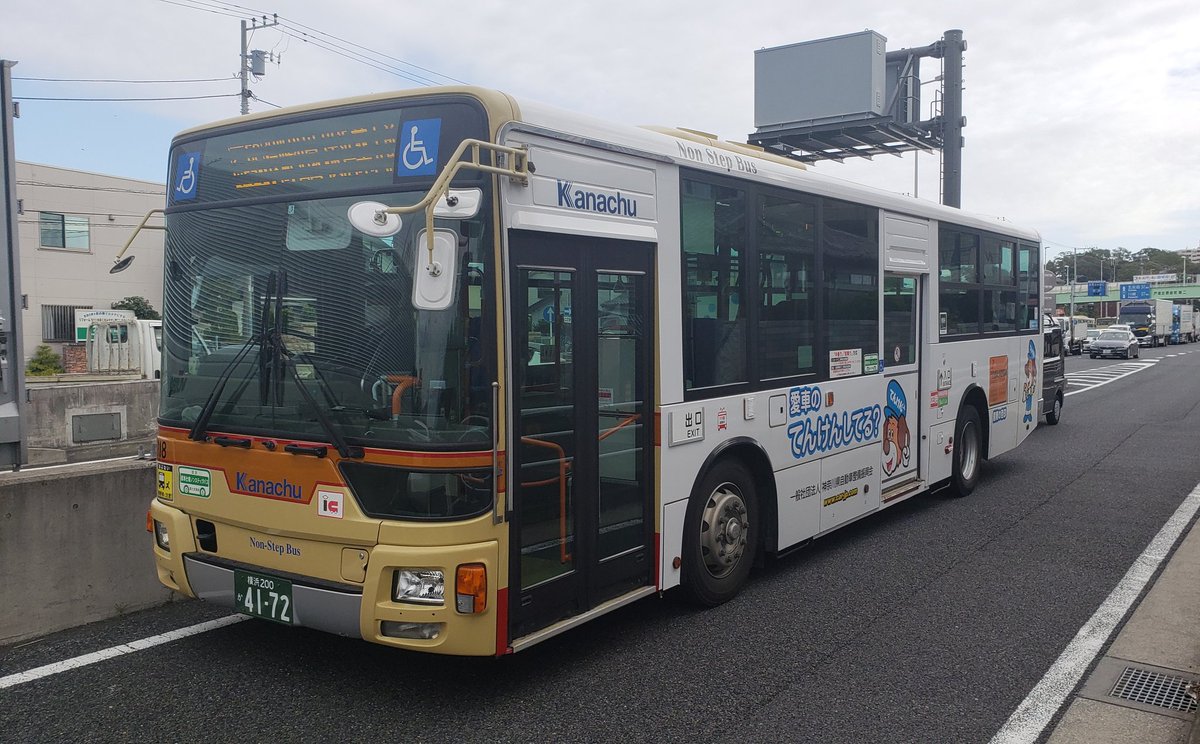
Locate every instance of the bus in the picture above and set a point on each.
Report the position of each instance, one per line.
(454, 372)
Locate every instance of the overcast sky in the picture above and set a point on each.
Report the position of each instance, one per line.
(1084, 115)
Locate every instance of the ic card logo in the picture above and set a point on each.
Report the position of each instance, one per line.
(330, 504)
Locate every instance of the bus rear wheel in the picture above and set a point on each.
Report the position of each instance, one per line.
(968, 452)
(720, 534)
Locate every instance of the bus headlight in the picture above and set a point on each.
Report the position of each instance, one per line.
(419, 585)
(161, 536)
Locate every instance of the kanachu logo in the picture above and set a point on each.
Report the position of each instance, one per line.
(260, 487)
(595, 201)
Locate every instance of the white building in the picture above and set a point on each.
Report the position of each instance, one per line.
(71, 225)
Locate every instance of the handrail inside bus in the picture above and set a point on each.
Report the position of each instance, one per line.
(515, 167)
(403, 384)
(624, 422)
(563, 468)
(119, 265)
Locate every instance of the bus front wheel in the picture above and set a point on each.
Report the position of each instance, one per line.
(968, 451)
(720, 534)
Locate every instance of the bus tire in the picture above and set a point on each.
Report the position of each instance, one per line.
(968, 452)
(720, 536)
(1055, 413)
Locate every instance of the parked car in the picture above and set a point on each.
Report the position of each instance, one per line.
(1054, 373)
(1114, 343)
(1092, 335)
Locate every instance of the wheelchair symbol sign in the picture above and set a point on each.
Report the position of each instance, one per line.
(419, 147)
(187, 174)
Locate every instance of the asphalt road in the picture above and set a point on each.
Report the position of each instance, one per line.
(929, 622)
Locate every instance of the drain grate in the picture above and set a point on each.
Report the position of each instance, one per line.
(1152, 688)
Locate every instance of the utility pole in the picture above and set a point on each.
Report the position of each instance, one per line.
(1074, 279)
(257, 57)
(953, 47)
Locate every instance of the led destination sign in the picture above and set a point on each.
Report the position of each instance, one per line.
(384, 149)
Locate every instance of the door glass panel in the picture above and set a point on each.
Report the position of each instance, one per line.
(547, 446)
(899, 320)
(620, 306)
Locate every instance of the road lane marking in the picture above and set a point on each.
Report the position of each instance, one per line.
(1111, 373)
(58, 667)
(1031, 717)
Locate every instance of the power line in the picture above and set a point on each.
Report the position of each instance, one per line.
(200, 7)
(378, 54)
(109, 80)
(351, 55)
(331, 43)
(162, 98)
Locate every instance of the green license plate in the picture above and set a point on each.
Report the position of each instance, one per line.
(263, 596)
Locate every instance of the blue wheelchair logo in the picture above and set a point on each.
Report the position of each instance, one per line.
(187, 175)
(419, 147)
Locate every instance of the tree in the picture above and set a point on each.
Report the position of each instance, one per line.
(140, 306)
(44, 362)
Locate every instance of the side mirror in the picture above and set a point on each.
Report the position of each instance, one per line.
(371, 218)
(434, 280)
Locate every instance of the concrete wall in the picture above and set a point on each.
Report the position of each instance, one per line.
(51, 407)
(74, 547)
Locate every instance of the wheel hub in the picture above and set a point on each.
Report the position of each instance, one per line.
(723, 530)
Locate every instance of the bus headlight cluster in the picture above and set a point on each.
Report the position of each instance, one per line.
(161, 536)
(419, 585)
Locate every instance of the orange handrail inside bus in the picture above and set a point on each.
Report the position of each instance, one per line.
(563, 467)
(624, 422)
(403, 384)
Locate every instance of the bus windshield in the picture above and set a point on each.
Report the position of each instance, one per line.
(300, 311)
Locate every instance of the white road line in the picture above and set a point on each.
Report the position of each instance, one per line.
(1034, 713)
(21, 678)
(1122, 376)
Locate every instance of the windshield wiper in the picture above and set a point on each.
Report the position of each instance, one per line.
(210, 404)
(284, 357)
(197, 434)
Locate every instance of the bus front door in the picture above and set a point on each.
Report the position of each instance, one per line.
(582, 523)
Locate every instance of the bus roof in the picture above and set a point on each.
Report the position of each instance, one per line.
(678, 145)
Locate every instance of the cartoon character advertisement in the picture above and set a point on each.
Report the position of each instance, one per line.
(897, 439)
(1030, 386)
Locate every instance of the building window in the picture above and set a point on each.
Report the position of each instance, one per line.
(64, 231)
(58, 322)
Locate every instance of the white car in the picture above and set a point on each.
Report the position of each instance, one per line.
(1092, 335)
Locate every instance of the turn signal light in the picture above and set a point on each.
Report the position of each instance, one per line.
(149, 522)
(470, 588)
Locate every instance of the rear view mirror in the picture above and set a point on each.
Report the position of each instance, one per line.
(370, 218)
(434, 274)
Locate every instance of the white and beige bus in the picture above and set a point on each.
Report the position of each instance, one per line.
(455, 372)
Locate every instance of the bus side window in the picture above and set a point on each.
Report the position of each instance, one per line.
(715, 326)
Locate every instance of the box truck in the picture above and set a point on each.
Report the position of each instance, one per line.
(1150, 320)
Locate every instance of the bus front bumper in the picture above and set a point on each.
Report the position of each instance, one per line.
(367, 610)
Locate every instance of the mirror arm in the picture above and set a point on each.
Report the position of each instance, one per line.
(518, 171)
(141, 226)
